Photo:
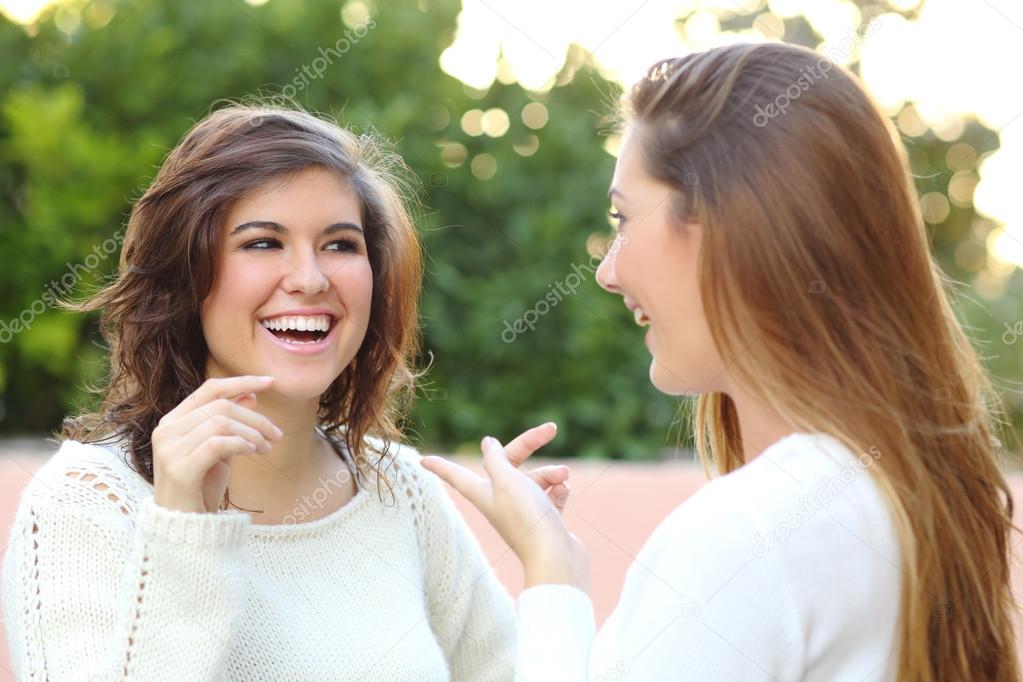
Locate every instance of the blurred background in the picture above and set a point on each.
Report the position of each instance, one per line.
(498, 108)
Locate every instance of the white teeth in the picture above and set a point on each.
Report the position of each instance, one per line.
(312, 323)
(641, 319)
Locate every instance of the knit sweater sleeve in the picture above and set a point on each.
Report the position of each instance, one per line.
(101, 584)
(471, 613)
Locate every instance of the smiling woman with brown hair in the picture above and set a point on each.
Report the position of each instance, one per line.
(262, 329)
(770, 240)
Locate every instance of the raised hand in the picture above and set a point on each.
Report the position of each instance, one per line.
(193, 444)
(521, 507)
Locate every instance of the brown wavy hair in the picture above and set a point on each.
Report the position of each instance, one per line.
(820, 290)
(150, 313)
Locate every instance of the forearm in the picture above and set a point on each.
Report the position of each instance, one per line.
(556, 631)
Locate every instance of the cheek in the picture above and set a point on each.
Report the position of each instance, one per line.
(354, 283)
(238, 287)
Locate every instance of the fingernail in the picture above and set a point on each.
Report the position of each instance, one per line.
(552, 424)
(265, 379)
(278, 432)
(486, 442)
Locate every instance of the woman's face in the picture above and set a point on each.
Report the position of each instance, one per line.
(294, 257)
(652, 265)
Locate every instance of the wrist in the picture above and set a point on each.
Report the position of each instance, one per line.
(569, 567)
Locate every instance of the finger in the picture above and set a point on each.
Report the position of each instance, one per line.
(528, 442)
(549, 475)
(217, 449)
(222, 425)
(230, 409)
(495, 459)
(559, 495)
(220, 387)
(471, 486)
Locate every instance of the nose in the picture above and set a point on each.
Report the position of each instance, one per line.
(607, 275)
(306, 276)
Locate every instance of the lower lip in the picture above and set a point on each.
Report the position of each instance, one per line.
(304, 348)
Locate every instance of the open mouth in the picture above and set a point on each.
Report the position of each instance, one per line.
(300, 330)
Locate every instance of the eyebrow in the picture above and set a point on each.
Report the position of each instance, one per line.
(277, 227)
(611, 192)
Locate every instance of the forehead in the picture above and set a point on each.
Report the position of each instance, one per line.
(629, 166)
(307, 195)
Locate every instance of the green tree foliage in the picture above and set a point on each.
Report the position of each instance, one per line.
(94, 94)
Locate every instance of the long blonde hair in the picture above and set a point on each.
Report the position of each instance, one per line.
(823, 298)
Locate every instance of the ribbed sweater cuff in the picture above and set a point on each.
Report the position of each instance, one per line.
(556, 631)
(219, 529)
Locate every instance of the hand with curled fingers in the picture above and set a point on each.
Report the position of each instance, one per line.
(193, 444)
(523, 507)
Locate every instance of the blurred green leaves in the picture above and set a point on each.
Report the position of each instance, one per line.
(101, 91)
(96, 93)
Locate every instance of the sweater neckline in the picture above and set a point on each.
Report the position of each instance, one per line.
(268, 530)
(359, 500)
(308, 527)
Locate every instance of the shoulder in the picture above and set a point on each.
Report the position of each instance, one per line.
(811, 485)
(397, 463)
(799, 541)
(814, 470)
(805, 504)
(394, 458)
(419, 490)
(94, 479)
(806, 515)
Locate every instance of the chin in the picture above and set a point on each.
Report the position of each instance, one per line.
(666, 381)
(671, 382)
(298, 386)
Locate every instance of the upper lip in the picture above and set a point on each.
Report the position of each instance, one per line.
(303, 312)
(632, 309)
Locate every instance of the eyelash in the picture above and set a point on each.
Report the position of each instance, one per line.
(351, 246)
(615, 215)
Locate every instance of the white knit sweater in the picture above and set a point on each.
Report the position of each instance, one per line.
(785, 569)
(100, 583)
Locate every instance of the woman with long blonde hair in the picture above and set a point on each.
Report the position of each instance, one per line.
(769, 237)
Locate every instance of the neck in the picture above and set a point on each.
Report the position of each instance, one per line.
(759, 424)
(270, 485)
(293, 463)
(301, 450)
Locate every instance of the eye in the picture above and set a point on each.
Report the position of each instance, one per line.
(616, 216)
(345, 245)
(349, 245)
(252, 245)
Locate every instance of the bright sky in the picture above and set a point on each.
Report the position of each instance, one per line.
(954, 61)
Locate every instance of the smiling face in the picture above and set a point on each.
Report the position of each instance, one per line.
(653, 266)
(293, 258)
